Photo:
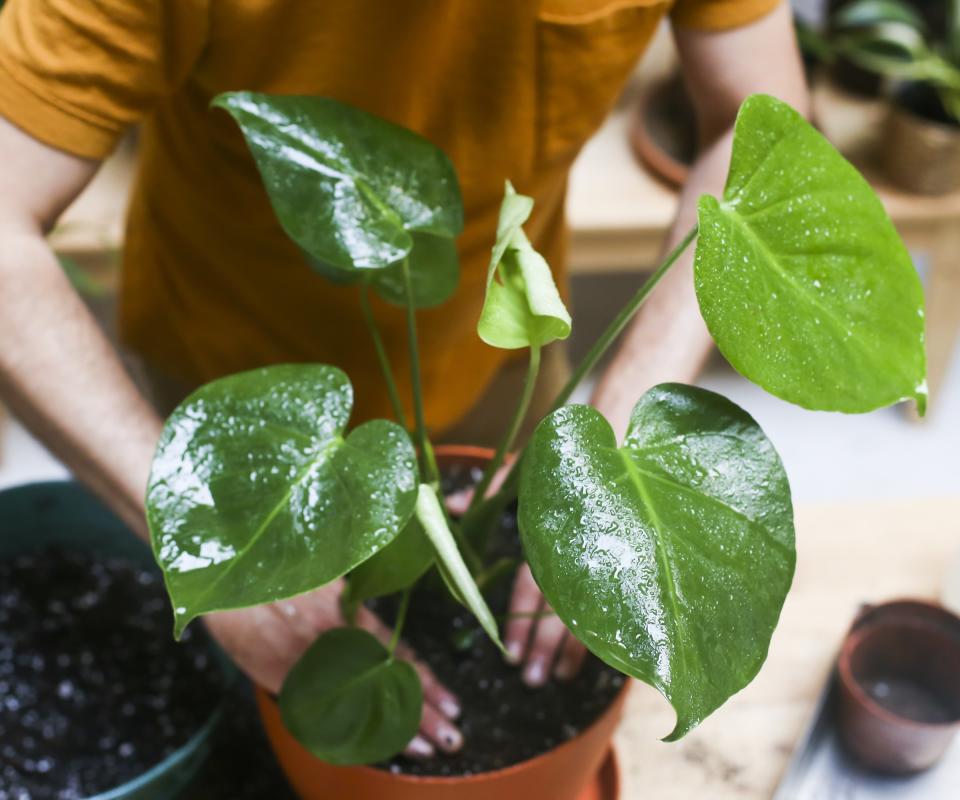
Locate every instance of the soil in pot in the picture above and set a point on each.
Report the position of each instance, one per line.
(924, 101)
(93, 689)
(503, 721)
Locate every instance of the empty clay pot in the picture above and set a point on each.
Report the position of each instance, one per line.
(899, 675)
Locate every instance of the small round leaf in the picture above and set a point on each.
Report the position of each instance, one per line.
(349, 702)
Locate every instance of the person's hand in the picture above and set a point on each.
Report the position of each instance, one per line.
(535, 636)
(266, 641)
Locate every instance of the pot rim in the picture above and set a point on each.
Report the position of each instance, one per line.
(478, 777)
(945, 128)
(861, 628)
(452, 452)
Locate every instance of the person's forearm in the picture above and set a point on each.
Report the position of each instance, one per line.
(668, 340)
(62, 378)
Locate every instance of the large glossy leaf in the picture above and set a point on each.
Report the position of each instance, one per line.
(347, 186)
(349, 702)
(669, 557)
(453, 568)
(256, 494)
(522, 306)
(802, 278)
(399, 565)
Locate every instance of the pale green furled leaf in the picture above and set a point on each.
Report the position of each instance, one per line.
(256, 494)
(398, 566)
(801, 277)
(669, 557)
(348, 701)
(347, 186)
(522, 307)
(454, 569)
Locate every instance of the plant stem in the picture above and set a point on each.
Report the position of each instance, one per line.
(427, 457)
(615, 328)
(493, 506)
(510, 435)
(401, 618)
(382, 357)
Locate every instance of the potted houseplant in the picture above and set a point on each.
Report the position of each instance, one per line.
(922, 146)
(668, 555)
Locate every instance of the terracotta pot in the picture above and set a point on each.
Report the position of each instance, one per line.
(567, 772)
(899, 676)
(920, 155)
(662, 130)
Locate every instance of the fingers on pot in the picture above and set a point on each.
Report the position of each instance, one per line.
(435, 727)
(419, 748)
(434, 692)
(525, 601)
(570, 660)
(548, 636)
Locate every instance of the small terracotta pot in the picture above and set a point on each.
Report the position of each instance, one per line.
(564, 773)
(899, 677)
(920, 155)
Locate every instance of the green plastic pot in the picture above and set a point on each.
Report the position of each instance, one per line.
(63, 513)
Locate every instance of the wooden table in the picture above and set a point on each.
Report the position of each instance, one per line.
(847, 555)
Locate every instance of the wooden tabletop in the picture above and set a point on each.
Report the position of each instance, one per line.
(847, 555)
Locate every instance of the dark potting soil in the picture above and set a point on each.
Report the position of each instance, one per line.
(503, 721)
(93, 689)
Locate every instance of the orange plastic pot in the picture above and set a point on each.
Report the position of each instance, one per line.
(568, 772)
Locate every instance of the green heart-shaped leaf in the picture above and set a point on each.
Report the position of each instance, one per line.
(522, 307)
(801, 277)
(399, 565)
(452, 566)
(669, 557)
(349, 702)
(347, 186)
(256, 495)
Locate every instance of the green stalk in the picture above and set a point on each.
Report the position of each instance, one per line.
(510, 435)
(616, 327)
(427, 457)
(381, 355)
(483, 515)
(401, 619)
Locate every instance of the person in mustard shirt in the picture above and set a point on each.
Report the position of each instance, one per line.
(211, 285)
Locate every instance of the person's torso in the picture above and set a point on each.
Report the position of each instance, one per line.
(509, 90)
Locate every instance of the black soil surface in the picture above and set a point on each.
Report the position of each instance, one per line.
(93, 689)
(504, 721)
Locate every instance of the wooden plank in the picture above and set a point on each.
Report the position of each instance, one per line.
(847, 555)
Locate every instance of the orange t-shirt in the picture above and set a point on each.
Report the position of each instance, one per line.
(211, 285)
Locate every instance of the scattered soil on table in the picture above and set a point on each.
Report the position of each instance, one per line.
(93, 689)
(504, 721)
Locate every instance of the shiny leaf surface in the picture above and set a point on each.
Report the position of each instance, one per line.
(453, 567)
(669, 557)
(801, 277)
(522, 306)
(347, 186)
(256, 495)
(348, 702)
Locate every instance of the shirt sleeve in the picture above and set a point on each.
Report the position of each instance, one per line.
(718, 15)
(75, 73)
